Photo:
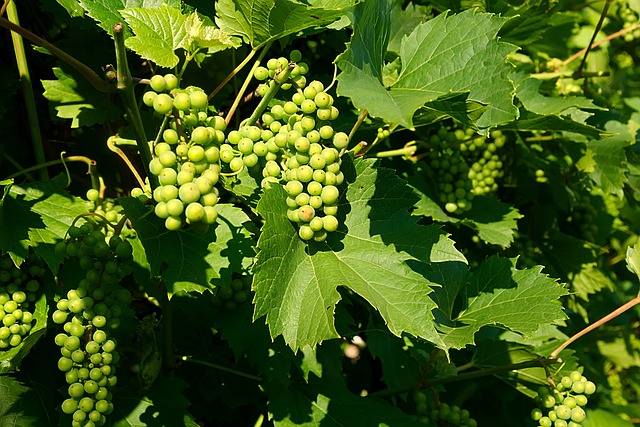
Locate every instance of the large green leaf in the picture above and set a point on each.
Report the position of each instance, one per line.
(456, 53)
(37, 215)
(188, 261)
(494, 221)
(403, 21)
(107, 12)
(374, 253)
(610, 156)
(262, 21)
(158, 33)
(500, 295)
(78, 101)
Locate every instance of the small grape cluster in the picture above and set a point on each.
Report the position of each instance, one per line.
(296, 79)
(630, 19)
(564, 403)
(464, 165)
(444, 416)
(110, 211)
(187, 160)
(19, 289)
(89, 312)
(239, 292)
(297, 145)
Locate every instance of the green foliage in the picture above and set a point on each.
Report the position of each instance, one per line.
(488, 194)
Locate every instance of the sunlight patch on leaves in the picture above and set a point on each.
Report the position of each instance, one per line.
(500, 295)
(430, 67)
(107, 12)
(158, 33)
(37, 215)
(78, 101)
(296, 281)
(259, 22)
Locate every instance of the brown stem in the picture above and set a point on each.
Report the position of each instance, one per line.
(599, 42)
(615, 313)
(233, 73)
(90, 163)
(111, 143)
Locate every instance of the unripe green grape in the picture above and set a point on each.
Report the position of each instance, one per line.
(305, 232)
(189, 193)
(290, 107)
(298, 98)
(236, 164)
(589, 388)
(200, 135)
(182, 102)
(163, 103)
(227, 155)
(314, 188)
(578, 387)
(293, 188)
(329, 194)
(171, 82)
(316, 223)
(174, 208)
(210, 215)
(308, 106)
(173, 223)
(69, 406)
(261, 73)
(323, 100)
(305, 173)
(158, 83)
(315, 202)
(58, 317)
(198, 99)
(306, 213)
(302, 144)
(194, 212)
(340, 140)
(295, 55)
(148, 98)
(245, 145)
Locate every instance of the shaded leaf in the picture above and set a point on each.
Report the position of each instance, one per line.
(495, 222)
(373, 253)
(22, 405)
(78, 100)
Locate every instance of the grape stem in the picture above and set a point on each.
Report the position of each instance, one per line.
(603, 15)
(125, 87)
(538, 362)
(87, 73)
(612, 36)
(363, 115)
(278, 80)
(90, 163)
(615, 313)
(221, 368)
(111, 143)
(233, 73)
(246, 83)
(406, 151)
(27, 90)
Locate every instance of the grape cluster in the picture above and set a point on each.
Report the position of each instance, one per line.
(89, 313)
(110, 211)
(444, 416)
(19, 289)
(563, 405)
(464, 165)
(295, 144)
(630, 19)
(238, 293)
(187, 160)
(296, 79)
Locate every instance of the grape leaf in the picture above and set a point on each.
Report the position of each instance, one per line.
(259, 22)
(527, 91)
(78, 100)
(430, 67)
(370, 253)
(11, 358)
(494, 221)
(107, 12)
(37, 215)
(498, 294)
(633, 259)
(72, 7)
(24, 406)
(164, 404)
(330, 405)
(202, 35)
(188, 261)
(529, 122)
(610, 157)
(403, 21)
(399, 368)
(158, 33)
